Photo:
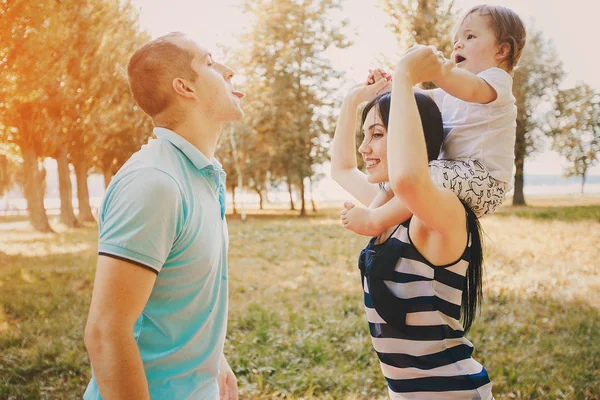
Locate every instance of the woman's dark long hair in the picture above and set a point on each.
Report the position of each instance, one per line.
(472, 295)
(431, 120)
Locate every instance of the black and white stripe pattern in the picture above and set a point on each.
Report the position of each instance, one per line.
(415, 326)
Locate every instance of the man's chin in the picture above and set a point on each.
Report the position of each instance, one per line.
(238, 115)
(234, 116)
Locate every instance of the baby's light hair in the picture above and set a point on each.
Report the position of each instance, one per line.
(508, 28)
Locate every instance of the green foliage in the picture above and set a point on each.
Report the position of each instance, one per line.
(428, 22)
(289, 109)
(536, 80)
(63, 91)
(576, 133)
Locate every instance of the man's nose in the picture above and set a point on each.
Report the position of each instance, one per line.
(227, 72)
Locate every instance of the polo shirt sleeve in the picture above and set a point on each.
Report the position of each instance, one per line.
(140, 218)
(501, 81)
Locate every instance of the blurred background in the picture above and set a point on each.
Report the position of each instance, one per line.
(68, 122)
(296, 326)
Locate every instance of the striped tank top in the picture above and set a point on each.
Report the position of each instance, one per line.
(413, 310)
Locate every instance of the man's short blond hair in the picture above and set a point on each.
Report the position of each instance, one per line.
(153, 67)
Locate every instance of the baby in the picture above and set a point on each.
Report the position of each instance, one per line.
(479, 115)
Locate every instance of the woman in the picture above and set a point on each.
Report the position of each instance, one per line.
(424, 276)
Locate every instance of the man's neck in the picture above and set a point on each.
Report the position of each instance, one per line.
(201, 133)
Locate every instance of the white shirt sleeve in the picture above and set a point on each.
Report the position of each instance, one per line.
(438, 97)
(501, 81)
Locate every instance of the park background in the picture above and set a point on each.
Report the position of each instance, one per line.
(296, 330)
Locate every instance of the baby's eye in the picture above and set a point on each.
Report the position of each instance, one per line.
(470, 37)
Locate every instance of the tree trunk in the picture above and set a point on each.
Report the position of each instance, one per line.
(520, 152)
(582, 181)
(33, 192)
(233, 199)
(83, 193)
(260, 198)
(303, 208)
(107, 177)
(265, 194)
(67, 215)
(312, 196)
(292, 207)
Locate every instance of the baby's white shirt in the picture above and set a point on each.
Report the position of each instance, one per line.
(485, 132)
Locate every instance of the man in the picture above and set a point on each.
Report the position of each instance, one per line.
(158, 314)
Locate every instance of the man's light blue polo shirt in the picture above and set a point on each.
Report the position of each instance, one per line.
(165, 210)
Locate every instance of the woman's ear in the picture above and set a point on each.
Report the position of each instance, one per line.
(181, 87)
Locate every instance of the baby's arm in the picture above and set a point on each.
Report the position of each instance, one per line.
(467, 86)
(383, 213)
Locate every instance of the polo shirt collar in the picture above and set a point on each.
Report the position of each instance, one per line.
(191, 152)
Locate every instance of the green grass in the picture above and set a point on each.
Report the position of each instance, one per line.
(296, 325)
(577, 213)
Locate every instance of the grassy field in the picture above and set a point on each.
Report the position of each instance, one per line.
(297, 328)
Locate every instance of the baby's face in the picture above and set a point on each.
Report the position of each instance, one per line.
(475, 46)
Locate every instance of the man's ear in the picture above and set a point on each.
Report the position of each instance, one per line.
(181, 87)
(503, 51)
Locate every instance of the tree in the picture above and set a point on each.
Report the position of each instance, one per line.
(8, 172)
(428, 22)
(52, 101)
(282, 59)
(536, 82)
(29, 67)
(576, 133)
(122, 131)
(109, 33)
(228, 157)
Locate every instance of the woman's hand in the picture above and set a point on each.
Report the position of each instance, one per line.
(377, 82)
(423, 64)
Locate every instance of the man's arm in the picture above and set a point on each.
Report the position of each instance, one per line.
(228, 389)
(467, 86)
(121, 291)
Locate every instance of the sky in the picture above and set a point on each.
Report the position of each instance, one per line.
(567, 23)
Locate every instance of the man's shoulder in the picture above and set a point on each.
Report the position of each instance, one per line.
(154, 159)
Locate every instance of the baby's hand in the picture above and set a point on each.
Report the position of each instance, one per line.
(376, 74)
(447, 66)
(359, 220)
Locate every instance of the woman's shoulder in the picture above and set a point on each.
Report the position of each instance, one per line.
(441, 248)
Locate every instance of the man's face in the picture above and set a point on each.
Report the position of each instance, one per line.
(213, 87)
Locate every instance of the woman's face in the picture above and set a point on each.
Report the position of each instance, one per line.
(374, 147)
